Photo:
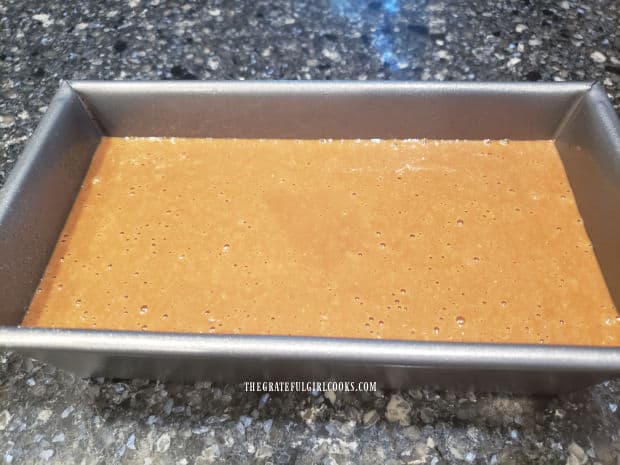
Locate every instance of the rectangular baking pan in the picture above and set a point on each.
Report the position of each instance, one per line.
(40, 191)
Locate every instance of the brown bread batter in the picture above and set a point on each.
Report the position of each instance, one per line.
(424, 240)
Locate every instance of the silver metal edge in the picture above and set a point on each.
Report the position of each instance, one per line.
(285, 87)
(393, 352)
(608, 127)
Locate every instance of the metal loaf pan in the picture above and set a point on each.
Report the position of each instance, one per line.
(40, 191)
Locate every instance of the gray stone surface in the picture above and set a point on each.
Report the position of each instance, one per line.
(48, 416)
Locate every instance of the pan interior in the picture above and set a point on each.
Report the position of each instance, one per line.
(472, 241)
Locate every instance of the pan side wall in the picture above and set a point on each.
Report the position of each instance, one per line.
(330, 109)
(37, 198)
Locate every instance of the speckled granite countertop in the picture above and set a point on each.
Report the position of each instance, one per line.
(48, 416)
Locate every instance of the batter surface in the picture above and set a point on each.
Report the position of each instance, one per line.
(424, 240)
